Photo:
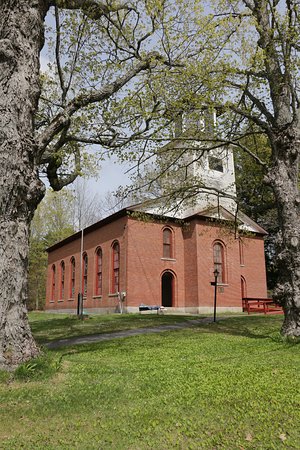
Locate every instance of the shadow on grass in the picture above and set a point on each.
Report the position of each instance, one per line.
(252, 327)
(52, 329)
(44, 329)
(259, 328)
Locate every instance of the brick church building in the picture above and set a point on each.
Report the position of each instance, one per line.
(154, 258)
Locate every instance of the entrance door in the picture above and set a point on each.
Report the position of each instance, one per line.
(167, 288)
(243, 287)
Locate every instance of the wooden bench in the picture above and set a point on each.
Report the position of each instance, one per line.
(261, 305)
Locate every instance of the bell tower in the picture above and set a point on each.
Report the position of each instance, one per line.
(215, 171)
(207, 165)
(213, 168)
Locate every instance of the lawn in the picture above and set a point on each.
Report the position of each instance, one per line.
(49, 327)
(230, 385)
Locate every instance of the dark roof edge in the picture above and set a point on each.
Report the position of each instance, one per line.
(132, 209)
(89, 229)
(122, 213)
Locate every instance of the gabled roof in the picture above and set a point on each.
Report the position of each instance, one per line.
(221, 213)
(107, 220)
(216, 213)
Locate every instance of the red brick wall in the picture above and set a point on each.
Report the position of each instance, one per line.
(191, 276)
(228, 292)
(142, 265)
(104, 238)
(254, 269)
(146, 263)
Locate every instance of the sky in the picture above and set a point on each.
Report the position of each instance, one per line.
(111, 175)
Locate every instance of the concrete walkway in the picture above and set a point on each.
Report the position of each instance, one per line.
(125, 333)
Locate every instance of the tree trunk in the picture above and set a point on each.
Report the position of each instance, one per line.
(21, 39)
(284, 177)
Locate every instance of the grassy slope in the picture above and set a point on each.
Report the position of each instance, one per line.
(50, 327)
(230, 385)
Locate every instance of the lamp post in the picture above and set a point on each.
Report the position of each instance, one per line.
(215, 283)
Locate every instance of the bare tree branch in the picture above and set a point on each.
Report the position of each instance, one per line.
(63, 118)
(57, 56)
(94, 9)
(256, 101)
(236, 143)
(261, 123)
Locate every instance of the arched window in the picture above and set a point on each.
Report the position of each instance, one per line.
(53, 282)
(85, 273)
(115, 286)
(219, 261)
(99, 271)
(62, 280)
(72, 277)
(167, 243)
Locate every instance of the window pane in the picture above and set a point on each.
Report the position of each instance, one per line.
(53, 283)
(215, 164)
(99, 273)
(167, 237)
(167, 251)
(72, 290)
(167, 243)
(241, 250)
(62, 286)
(219, 262)
(116, 267)
(85, 274)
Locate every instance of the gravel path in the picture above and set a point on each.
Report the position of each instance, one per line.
(125, 333)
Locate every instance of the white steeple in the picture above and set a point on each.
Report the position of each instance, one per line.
(214, 168)
(211, 169)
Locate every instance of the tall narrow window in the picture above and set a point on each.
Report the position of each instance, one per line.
(99, 272)
(219, 261)
(167, 243)
(115, 268)
(53, 283)
(72, 278)
(62, 280)
(85, 274)
(241, 250)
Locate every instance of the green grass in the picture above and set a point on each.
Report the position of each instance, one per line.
(49, 327)
(230, 385)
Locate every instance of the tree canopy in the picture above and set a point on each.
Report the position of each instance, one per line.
(121, 75)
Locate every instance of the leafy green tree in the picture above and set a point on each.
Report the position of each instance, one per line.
(252, 80)
(260, 92)
(104, 54)
(121, 72)
(256, 198)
